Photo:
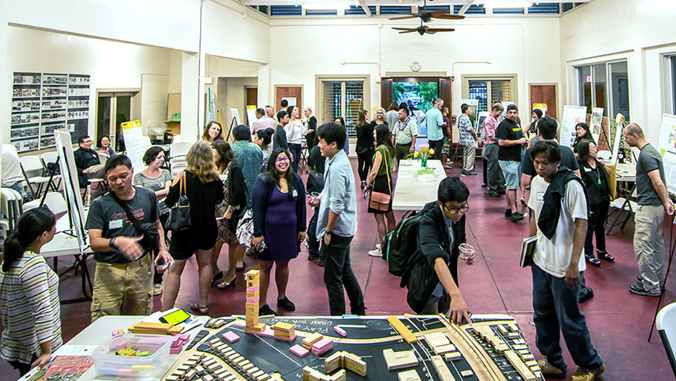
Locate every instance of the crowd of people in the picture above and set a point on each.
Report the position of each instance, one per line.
(256, 177)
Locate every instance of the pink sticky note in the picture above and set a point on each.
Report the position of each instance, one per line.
(340, 331)
(231, 337)
(299, 351)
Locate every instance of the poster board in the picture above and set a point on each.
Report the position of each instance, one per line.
(251, 114)
(572, 115)
(472, 103)
(540, 106)
(292, 100)
(619, 119)
(136, 143)
(480, 122)
(595, 123)
(668, 133)
(669, 161)
(235, 115)
(71, 186)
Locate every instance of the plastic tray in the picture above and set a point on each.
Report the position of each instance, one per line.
(110, 365)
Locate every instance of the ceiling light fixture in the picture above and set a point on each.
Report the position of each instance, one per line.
(507, 4)
(327, 5)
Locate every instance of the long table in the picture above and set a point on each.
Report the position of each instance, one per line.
(411, 194)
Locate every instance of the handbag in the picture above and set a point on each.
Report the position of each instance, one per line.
(315, 182)
(147, 229)
(379, 200)
(179, 215)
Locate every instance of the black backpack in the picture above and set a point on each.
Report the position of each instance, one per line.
(401, 243)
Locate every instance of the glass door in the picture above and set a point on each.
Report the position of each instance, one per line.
(114, 108)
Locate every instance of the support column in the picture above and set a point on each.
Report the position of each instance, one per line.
(190, 97)
(264, 87)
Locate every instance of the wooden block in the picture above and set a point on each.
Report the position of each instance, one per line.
(403, 331)
(340, 331)
(437, 339)
(466, 373)
(513, 335)
(442, 369)
(409, 375)
(312, 338)
(531, 363)
(520, 347)
(520, 367)
(333, 362)
(299, 351)
(440, 350)
(503, 330)
(231, 337)
(340, 376)
(400, 360)
(513, 327)
(283, 326)
(453, 356)
(524, 351)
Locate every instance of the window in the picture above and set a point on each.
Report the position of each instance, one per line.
(342, 98)
(489, 91)
(604, 85)
(670, 83)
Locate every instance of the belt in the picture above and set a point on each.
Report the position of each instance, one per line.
(405, 144)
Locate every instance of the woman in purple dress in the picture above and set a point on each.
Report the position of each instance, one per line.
(278, 205)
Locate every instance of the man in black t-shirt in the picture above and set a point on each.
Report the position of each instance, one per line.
(547, 130)
(123, 282)
(510, 142)
(279, 138)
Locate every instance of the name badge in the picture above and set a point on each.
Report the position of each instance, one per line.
(540, 196)
(294, 193)
(587, 169)
(115, 224)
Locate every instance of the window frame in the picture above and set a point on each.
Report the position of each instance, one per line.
(319, 92)
(610, 92)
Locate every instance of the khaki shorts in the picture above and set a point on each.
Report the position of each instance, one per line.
(123, 288)
(446, 149)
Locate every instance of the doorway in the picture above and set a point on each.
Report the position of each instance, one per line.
(113, 109)
(251, 100)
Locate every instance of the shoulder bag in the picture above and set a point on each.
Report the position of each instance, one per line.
(147, 229)
(179, 215)
(381, 201)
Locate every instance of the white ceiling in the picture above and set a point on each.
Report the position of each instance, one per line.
(397, 2)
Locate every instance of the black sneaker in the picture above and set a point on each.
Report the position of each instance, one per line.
(312, 257)
(589, 295)
(484, 185)
(502, 191)
(286, 304)
(639, 290)
(266, 310)
(495, 194)
(508, 213)
(516, 216)
(471, 173)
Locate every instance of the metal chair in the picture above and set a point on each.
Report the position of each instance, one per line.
(177, 152)
(620, 205)
(33, 164)
(666, 326)
(53, 200)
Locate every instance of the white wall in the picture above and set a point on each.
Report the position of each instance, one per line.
(303, 48)
(638, 31)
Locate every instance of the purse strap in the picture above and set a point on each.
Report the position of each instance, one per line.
(182, 185)
(130, 216)
(387, 169)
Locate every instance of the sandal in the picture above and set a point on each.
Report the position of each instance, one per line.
(523, 201)
(217, 278)
(605, 256)
(240, 268)
(226, 283)
(197, 308)
(593, 261)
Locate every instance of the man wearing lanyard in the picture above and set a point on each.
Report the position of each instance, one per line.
(405, 133)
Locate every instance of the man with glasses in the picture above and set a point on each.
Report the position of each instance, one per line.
(123, 283)
(87, 162)
(432, 281)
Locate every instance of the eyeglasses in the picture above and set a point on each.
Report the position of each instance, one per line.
(463, 209)
(284, 158)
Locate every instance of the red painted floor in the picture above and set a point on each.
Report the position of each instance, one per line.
(619, 322)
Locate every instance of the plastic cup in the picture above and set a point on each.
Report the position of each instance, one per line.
(466, 252)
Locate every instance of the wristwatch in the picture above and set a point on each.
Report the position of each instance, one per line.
(111, 243)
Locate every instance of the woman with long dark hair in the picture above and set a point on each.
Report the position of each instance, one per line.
(228, 212)
(595, 176)
(263, 138)
(278, 205)
(582, 132)
(380, 180)
(104, 146)
(364, 146)
(29, 294)
(204, 189)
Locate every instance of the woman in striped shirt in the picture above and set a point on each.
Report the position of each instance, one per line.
(29, 299)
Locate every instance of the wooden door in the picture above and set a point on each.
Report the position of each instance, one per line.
(252, 96)
(386, 93)
(543, 94)
(289, 92)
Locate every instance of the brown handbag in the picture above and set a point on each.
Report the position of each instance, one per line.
(381, 201)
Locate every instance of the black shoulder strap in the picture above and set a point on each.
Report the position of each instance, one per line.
(130, 216)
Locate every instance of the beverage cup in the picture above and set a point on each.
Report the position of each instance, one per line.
(466, 252)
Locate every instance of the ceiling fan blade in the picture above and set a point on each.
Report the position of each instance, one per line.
(449, 17)
(408, 31)
(434, 30)
(404, 16)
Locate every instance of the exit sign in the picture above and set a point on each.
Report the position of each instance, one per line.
(589, 78)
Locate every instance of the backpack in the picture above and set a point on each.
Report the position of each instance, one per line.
(401, 243)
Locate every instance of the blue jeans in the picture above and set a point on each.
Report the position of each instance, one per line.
(556, 312)
(295, 151)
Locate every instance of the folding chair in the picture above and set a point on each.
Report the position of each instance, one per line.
(666, 326)
(177, 152)
(53, 200)
(47, 159)
(12, 204)
(33, 164)
(620, 205)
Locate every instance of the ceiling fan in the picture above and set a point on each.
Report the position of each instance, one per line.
(423, 29)
(426, 16)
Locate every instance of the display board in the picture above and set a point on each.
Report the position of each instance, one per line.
(45, 102)
(572, 115)
(619, 128)
(595, 123)
(71, 186)
(135, 143)
(251, 114)
(435, 350)
(235, 115)
(667, 148)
